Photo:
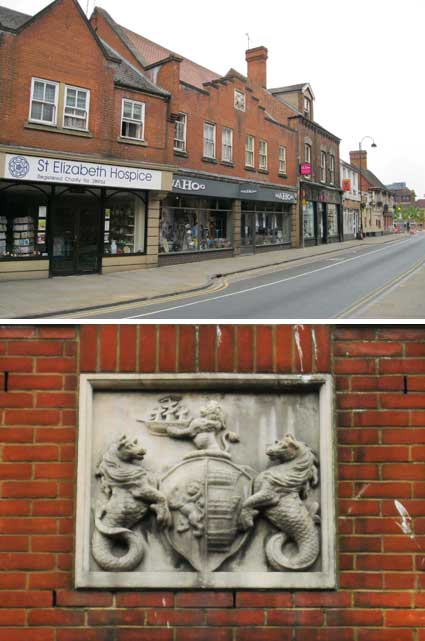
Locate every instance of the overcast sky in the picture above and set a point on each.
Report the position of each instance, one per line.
(363, 59)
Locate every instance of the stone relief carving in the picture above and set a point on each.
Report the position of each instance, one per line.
(207, 505)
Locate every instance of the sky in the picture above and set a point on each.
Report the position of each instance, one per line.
(363, 60)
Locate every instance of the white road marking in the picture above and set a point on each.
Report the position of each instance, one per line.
(252, 289)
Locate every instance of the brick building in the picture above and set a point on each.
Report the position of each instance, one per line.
(379, 431)
(235, 189)
(377, 200)
(83, 149)
(351, 200)
(319, 165)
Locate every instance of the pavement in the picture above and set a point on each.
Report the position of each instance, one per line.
(64, 295)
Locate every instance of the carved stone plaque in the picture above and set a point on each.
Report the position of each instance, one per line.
(205, 481)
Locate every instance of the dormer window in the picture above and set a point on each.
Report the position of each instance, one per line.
(307, 107)
(240, 101)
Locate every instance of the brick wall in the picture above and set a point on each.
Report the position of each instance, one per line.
(380, 403)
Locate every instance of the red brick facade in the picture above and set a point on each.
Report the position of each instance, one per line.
(380, 424)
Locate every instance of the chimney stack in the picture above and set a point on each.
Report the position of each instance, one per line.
(355, 158)
(257, 66)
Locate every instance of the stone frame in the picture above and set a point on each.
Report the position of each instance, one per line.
(273, 383)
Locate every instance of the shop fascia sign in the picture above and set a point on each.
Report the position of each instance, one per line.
(84, 174)
(286, 196)
(305, 169)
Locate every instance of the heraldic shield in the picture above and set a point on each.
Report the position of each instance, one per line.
(205, 494)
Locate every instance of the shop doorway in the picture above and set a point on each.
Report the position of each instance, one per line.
(75, 236)
(247, 233)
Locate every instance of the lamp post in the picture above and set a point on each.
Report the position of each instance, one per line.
(360, 181)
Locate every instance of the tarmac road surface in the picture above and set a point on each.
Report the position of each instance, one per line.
(331, 286)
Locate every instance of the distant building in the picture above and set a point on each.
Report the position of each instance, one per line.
(402, 194)
(377, 200)
(350, 200)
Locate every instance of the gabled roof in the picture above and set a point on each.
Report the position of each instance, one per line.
(293, 88)
(10, 19)
(148, 53)
(127, 75)
(373, 181)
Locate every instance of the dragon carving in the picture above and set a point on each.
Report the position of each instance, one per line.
(130, 495)
(279, 494)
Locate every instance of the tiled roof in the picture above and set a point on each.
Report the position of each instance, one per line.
(10, 19)
(420, 203)
(373, 181)
(148, 52)
(129, 76)
(289, 88)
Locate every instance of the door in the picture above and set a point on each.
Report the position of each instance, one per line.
(75, 237)
(247, 232)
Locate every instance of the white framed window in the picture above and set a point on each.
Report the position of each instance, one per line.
(133, 119)
(227, 144)
(282, 159)
(307, 152)
(180, 132)
(44, 101)
(209, 140)
(249, 151)
(307, 107)
(323, 166)
(262, 155)
(240, 100)
(76, 108)
(331, 169)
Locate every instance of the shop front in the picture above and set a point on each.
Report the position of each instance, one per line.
(60, 217)
(321, 215)
(204, 218)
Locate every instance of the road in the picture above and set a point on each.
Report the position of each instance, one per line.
(337, 286)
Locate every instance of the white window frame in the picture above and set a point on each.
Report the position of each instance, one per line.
(323, 166)
(239, 100)
(210, 140)
(131, 120)
(282, 159)
(331, 169)
(307, 106)
(227, 145)
(262, 155)
(249, 151)
(52, 123)
(87, 92)
(182, 141)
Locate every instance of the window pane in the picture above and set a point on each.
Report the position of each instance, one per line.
(50, 93)
(36, 111)
(137, 112)
(48, 111)
(81, 99)
(127, 109)
(38, 90)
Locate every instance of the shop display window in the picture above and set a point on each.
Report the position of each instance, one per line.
(202, 226)
(308, 218)
(272, 223)
(332, 221)
(124, 231)
(23, 222)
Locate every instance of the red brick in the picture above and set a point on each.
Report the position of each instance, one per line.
(34, 382)
(371, 349)
(14, 543)
(145, 599)
(83, 634)
(399, 581)
(204, 634)
(35, 348)
(263, 600)
(204, 600)
(262, 634)
(56, 399)
(83, 599)
(355, 333)
(116, 617)
(360, 544)
(399, 366)
(358, 471)
(225, 347)
(9, 364)
(384, 562)
(416, 383)
(26, 599)
(50, 331)
(16, 434)
(324, 634)
(415, 349)
(55, 435)
(357, 401)
(408, 401)
(15, 471)
(303, 348)
(167, 348)
(49, 580)
(26, 561)
(52, 543)
(186, 348)
(15, 399)
(30, 489)
(381, 419)
(58, 365)
(207, 341)
(354, 366)
(322, 599)
(295, 617)
(381, 453)
(264, 348)
(236, 617)
(405, 618)
(53, 508)
(127, 348)
(361, 580)
(54, 470)
(32, 417)
(404, 436)
(245, 348)
(384, 635)
(165, 617)
(321, 335)
(14, 331)
(376, 526)
(386, 489)
(147, 347)
(354, 617)
(406, 471)
(41, 634)
(284, 348)
(358, 436)
(152, 634)
(12, 581)
(30, 453)
(56, 617)
(88, 348)
(108, 348)
(383, 599)
(402, 333)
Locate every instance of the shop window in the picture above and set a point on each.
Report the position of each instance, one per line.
(332, 221)
(271, 222)
(262, 155)
(227, 144)
(23, 222)
(180, 132)
(249, 151)
(323, 166)
(308, 220)
(198, 228)
(124, 231)
(76, 110)
(282, 159)
(209, 140)
(133, 117)
(44, 101)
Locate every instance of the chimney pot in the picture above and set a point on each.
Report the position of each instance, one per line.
(257, 66)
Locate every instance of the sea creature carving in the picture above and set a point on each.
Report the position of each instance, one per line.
(280, 494)
(130, 494)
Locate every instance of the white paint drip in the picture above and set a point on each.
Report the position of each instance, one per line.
(315, 347)
(406, 519)
(164, 603)
(219, 336)
(298, 344)
(358, 496)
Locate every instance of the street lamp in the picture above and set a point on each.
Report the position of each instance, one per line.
(360, 180)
